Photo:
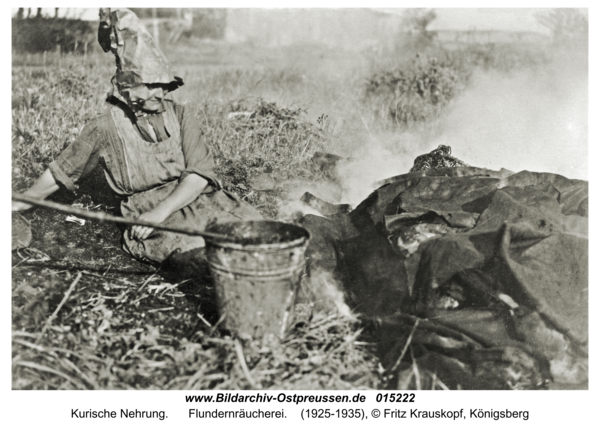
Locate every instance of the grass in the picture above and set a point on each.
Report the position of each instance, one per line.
(102, 324)
(115, 334)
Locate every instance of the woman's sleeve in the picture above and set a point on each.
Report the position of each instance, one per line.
(198, 155)
(78, 159)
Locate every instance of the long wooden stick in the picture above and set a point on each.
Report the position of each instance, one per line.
(105, 217)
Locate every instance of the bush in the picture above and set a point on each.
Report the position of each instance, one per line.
(45, 34)
(419, 91)
(414, 93)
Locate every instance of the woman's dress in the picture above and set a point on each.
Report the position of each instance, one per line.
(144, 159)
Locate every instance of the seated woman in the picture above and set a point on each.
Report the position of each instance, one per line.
(152, 150)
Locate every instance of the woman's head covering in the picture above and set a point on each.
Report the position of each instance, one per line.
(139, 60)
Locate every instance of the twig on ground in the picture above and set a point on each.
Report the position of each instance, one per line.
(441, 384)
(20, 262)
(220, 341)
(25, 334)
(150, 277)
(107, 270)
(415, 368)
(89, 273)
(204, 320)
(408, 341)
(64, 300)
(346, 343)
(214, 328)
(322, 321)
(240, 355)
(154, 310)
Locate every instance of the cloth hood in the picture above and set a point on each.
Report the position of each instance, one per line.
(139, 60)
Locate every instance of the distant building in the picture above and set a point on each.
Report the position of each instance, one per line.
(479, 25)
(489, 36)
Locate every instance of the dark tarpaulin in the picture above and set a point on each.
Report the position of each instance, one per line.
(492, 267)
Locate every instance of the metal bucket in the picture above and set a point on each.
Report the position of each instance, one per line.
(257, 274)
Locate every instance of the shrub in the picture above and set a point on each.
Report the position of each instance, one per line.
(414, 93)
(46, 34)
(418, 91)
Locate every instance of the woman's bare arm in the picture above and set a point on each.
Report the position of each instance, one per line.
(185, 193)
(42, 188)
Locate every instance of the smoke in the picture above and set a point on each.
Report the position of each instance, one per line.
(291, 210)
(291, 207)
(380, 158)
(328, 294)
(535, 121)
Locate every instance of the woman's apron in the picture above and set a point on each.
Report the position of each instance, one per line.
(148, 173)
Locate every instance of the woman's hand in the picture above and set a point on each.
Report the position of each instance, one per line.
(139, 232)
(186, 192)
